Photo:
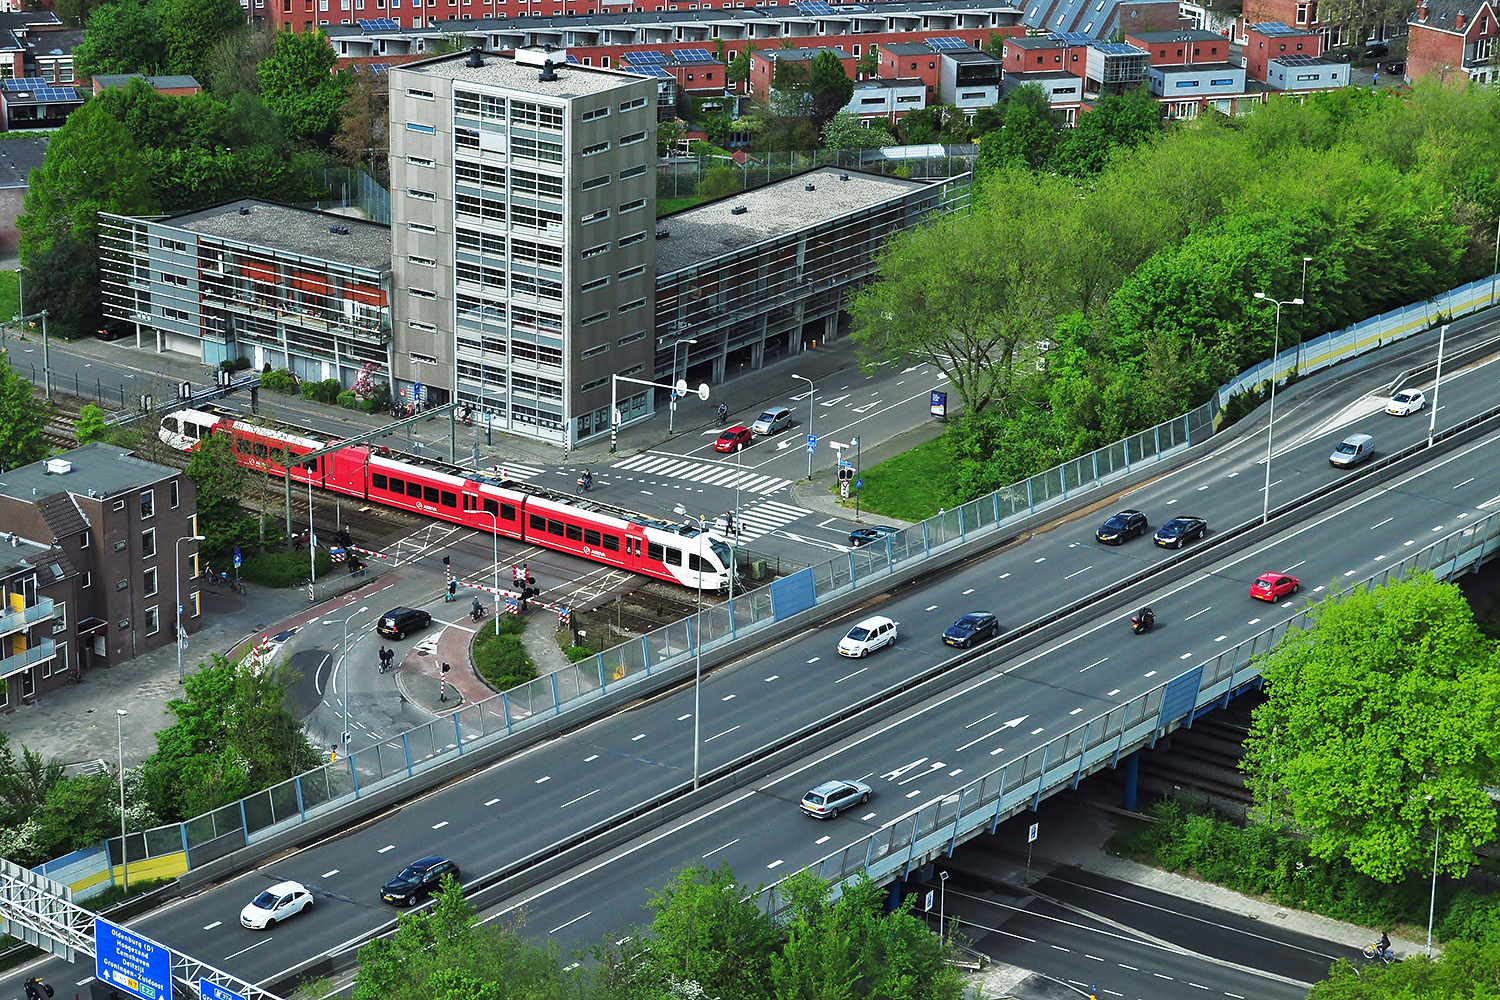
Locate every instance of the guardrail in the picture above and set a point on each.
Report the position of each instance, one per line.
(580, 686)
(1022, 782)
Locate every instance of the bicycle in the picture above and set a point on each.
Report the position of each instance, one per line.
(75, 677)
(477, 613)
(1374, 951)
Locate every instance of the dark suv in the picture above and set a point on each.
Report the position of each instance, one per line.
(398, 623)
(1125, 524)
(417, 879)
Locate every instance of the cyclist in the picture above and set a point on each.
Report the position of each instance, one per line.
(477, 611)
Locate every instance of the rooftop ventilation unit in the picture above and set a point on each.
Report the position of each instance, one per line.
(476, 58)
(59, 466)
(809, 187)
(738, 210)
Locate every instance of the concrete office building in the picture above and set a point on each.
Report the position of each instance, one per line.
(523, 220)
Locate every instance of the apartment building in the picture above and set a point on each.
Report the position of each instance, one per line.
(523, 215)
(94, 543)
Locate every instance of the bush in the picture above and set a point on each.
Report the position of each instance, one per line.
(279, 380)
(282, 569)
(347, 400)
(326, 391)
(576, 653)
(501, 659)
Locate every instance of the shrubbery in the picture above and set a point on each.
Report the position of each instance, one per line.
(326, 391)
(279, 380)
(347, 400)
(501, 659)
(282, 569)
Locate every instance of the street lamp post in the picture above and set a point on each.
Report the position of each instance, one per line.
(495, 549)
(1265, 511)
(810, 390)
(1437, 829)
(942, 906)
(614, 402)
(1305, 262)
(672, 409)
(120, 714)
(20, 290)
(698, 652)
(344, 662)
(1496, 271)
(177, 586)
(1436, 383)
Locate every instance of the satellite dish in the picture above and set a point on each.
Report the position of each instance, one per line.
(703, 390)
(681, 388)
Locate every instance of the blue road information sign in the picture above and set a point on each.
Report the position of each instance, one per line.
(939, 403)
(927, 902)
(859, 484)
(416, 392)
(812, 443)
(213, 991)
(129, 962)
(236, 557)
(1031, 833)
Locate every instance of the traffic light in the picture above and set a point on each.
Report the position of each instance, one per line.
(846, 473)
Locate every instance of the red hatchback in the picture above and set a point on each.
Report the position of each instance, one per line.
(1273, 586)
(733, 438)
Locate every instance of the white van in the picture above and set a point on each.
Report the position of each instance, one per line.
(1352, 450)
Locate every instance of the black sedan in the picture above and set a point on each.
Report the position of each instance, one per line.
(417, 879)
(1180, 530)
(870, 533)
(971, 628)
(1126, 524)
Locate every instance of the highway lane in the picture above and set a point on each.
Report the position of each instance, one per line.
(502, 813)
(930, 751)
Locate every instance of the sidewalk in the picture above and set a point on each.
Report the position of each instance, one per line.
(419, 675)
(73, 724)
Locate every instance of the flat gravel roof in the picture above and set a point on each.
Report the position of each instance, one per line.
(297, 230)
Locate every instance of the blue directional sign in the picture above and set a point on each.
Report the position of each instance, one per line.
(129, 962)
(209, 990)
(416, 392)
(812, 443)
(859, 484)
(236, 557)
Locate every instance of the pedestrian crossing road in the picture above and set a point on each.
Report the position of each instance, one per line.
(705, 473)
(765, 517)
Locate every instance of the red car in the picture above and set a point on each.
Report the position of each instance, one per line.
(733, 438)
(1273, 586)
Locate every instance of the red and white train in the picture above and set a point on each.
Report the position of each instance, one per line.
(580, 526)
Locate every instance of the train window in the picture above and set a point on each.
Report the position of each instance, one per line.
(694, 563)
(507, 512)
(554, 527)
(575, 533)
(538, 522)
(611, 543)
(379, 482)
(414, 490)
(170, 423)
(674, 557)
(491, 507)
(398, 485)
(430, 494)
(590, 537)
(449, 499)
(311, 465)
(653, 551)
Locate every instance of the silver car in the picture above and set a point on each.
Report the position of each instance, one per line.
(776, 418)
(1352, 450)
(825, 801)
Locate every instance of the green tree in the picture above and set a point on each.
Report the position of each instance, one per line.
(296, 84)
(24, 784)
(829, 86)
(233, 64)
(790, 95)
(738, 70)
(79, 812)
(23, 419)
(90, 425)
(122, 37)
(1382, 722)
(704, 930)
(668, 135)
(1463, 971)
(220, 482)
(719, 182)
(869, 63)
(364, 122)
(232, 736)
(844, 131)
(1027, 140)
(1117, 121)
(191, 28)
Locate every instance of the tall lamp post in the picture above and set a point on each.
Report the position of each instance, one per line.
(495, 549)
(810, 390)
(177, 586)
(1437, 828)
(120, 714)
(1305, 262)
(1436, 384)
(942, 906)
(344, 662)
(698, 652)
(672, 410)
(1265, 511)
(20, 290)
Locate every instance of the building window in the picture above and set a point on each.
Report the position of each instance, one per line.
(597, 383)
(421, 293)
(631, 240)
(420, 195)
(630, 339)
(419, 127)
(594, 182)
(596, 114)
(149, 581)
(88, 580)
(631, 272)
(632, 306)
(148, 504)
(421, 161)
(194, 603)
(593, 217)
(594, 149)
(634, 171)
(421, 95)
(634, 137)
(639, 102)
(633, 206)
(420, 261)
(424, 327)
(172, 493)
(594, 352)
(148, 543)
(595, 251)
(589, 286)
(421, 227)
(598, 317)
(153, 620)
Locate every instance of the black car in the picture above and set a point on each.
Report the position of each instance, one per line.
(416, 879)
(1126, 524)
(971, 628)
(398, 623)
(870, 533)
(1376, 49)
(113, 329)
(1181, 530)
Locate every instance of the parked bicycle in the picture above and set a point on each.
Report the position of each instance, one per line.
(75, 676)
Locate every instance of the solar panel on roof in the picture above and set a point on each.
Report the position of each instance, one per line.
(947, 42)
(574, 60)
(657, 72)
(1297, 59)
(693, 55)
(41, 89)
(1274, 28)
(645, 57)
(1077, 37)
(377, 24)
(815, 7)
(1118, 49)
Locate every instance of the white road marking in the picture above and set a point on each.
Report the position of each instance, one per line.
(570, 923)
(847, 676)
(329, 874)
(1084, 570)
(1113, 693)
(591, 757)
(931, 607)
(1221, 638)
(775, 864)
(724, 733)
(1091, 666)
(815, 659)
(1004, 575)
(729, 697)
(242, 951)
(211, 926)
(773, 677)
(637, 739)
(439, 826)
(1195, 614)
(682, 718)
(969, 591)
(542, 779)
(1185, 656)
(1385, 522)
(721, 847)
(1151, 673)
(392, 847)
(579, 799)
(823, 839)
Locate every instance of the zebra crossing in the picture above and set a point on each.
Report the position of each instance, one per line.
(765, 517)
(706, 473)
(512, 470)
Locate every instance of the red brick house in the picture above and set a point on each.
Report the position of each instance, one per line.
(1265, 41)
(1453, 40)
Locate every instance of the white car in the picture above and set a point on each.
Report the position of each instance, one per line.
(868, 636)
(282, 900)
(1406, 401)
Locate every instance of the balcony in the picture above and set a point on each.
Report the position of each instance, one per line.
(18, 621)
(45, 650)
